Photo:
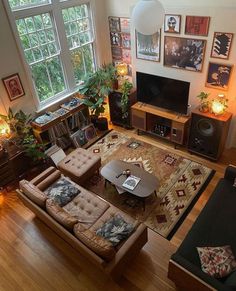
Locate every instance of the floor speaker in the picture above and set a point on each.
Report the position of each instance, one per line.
(208, 134)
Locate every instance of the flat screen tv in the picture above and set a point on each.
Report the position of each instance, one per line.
(163, 92)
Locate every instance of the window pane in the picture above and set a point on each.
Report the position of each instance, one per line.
(48, 78)
(79, 39)
(83, 62)
(40, 45)
(20, 4)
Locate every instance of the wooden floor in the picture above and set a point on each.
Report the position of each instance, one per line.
(32, 257)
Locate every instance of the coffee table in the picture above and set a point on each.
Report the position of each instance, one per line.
(112, 172)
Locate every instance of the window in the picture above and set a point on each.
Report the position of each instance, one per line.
(58, 44)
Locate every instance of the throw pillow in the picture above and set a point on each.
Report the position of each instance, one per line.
(217, 261)
(62, 192)
(115, 229)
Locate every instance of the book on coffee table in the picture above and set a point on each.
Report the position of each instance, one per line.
(131, 182)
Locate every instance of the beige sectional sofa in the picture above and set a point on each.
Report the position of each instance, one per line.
(78, 221)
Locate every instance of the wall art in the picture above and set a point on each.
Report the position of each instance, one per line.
(114, 23)
(221, 45)
(172, 23)
(197, 25)
(184, 53)
(218, 76)
(13, 86)
(148, 46)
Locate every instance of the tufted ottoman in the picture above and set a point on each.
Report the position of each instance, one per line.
(79, 165)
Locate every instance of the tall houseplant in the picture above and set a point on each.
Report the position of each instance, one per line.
(97, 86)
(125, 90)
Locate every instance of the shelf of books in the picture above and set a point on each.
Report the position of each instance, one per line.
(59, 127)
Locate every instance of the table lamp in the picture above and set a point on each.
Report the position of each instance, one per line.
(219, 104)
(122, 71)
(4, 134)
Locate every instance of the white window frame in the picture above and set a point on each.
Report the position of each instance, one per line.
(55, 6)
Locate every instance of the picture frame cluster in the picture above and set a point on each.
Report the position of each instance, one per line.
(119, 29)
(188, 52)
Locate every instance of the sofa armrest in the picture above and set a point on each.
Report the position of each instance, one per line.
(38, 179)
(230, 173)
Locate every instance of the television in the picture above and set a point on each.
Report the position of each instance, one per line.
(163, 92)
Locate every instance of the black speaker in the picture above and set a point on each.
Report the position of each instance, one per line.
(207, 135)
(115, 108)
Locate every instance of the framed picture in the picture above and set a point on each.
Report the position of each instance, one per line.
(114, 23)
(197, 25)
(115, 38)
(184, 53)
(218, 76)
(13, 86)
(172, 23)
(89, 132)
(148, 46)
(125, 24)
(221, 45)
(78, 138)
(126, 56)
(126, 41)
(116, 53)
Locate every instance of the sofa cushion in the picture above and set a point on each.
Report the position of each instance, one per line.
(217, 261)
(33, 193)
(96, 243)
(115, 230)
(60, 215)
(62, 191)
(86, 207)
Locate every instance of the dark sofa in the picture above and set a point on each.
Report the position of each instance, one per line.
(215, 226)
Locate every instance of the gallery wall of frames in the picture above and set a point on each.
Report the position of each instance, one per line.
(185, 52)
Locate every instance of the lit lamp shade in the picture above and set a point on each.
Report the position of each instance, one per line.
(4, 128)
(218, 105)
(148, 16)
(122, 69)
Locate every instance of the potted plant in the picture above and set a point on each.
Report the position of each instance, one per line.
(125, 90)
(96, 87)
(22, 135)
(204, 103)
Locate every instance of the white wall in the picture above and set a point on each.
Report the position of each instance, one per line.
(10, 63)
(223, 15)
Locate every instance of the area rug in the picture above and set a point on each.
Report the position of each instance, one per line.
(181, 181)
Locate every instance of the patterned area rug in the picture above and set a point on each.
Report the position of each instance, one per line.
(181, 181)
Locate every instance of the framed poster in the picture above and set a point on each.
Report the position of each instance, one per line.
(115, 38)
(126, 56)
(78, 138)
(13, 86)
(114, 23)
(184, 53)
(89, 132)
(116, 53)
(172, 23)
(221, 45)
(126, 41)
(148, 46)
(218, 76)
(197, 25)
(125, 24)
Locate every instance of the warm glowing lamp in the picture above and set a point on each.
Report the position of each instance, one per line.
(218, 105)
(148, 16)
(122, 69)
(4, 129)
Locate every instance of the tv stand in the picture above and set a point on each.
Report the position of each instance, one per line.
(160, 123)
